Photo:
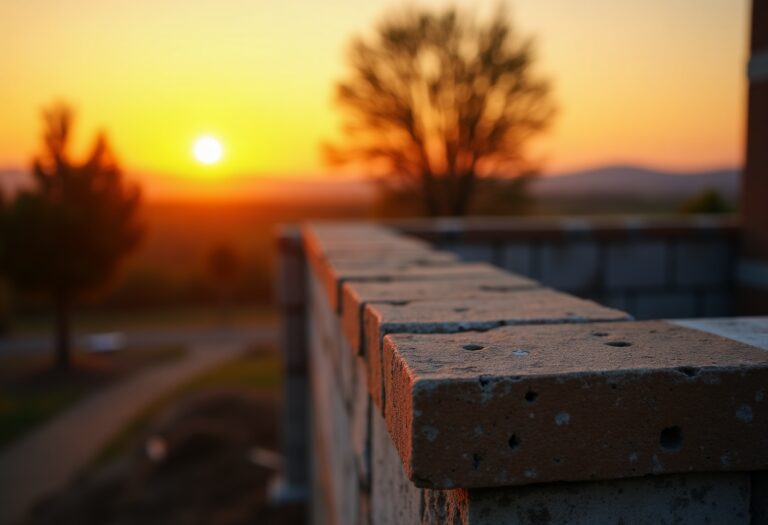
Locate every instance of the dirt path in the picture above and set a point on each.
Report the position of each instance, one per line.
(52, 455)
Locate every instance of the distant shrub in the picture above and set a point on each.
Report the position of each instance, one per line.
(707, 201)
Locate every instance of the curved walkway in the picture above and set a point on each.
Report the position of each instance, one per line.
(52, 455)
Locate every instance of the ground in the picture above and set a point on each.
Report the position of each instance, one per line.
(31, 392)
(197, 457)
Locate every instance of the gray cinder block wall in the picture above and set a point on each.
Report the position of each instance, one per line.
(652, 268)
(450, 392)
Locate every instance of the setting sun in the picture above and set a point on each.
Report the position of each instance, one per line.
(207, 150)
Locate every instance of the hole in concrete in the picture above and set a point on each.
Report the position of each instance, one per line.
(514, 441)
(688, 371)
(476, 459)
(671, 438)
(614, 386)
(472, 347)
(619, 344)
(600, 334)
(556, 460)
(399, 303)
(531, 396)
(461, 309)
(484, 381)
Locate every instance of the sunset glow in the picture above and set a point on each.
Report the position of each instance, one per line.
(207, 150)
(654, 83)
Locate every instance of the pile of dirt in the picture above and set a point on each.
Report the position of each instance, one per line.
(198, 464)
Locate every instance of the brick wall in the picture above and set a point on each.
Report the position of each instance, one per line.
(443, 391)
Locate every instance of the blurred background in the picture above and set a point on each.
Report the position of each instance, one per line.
(148, 150)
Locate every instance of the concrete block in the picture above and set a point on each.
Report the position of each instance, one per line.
(290, 277)
(664, 305)
(355, 295)
(440, 272)
(361, 422)
(704, 263)
(293, 432)
(748, 330)
(446, 506)
(636, 264)
(517, 258)
(691, 499)
(717, 304)
(336, 473)
(537, 306)
(536, 404)
(293, 340)
(333, 273)
(570, 266)
(394, 499)
(323, 323)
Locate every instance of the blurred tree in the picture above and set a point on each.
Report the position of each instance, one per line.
(706, 201)
(67, 234)
(435, 101)
(224, 268)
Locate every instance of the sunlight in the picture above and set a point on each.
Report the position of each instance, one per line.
(207, 150)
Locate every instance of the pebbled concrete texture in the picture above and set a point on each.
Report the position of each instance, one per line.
(537, 306)
(355, 295)
(394, 499)
(415, 272)
(692, 499)
(534, 404)
(494, 400)
(336, 469)
(749, 330)
(333, 273)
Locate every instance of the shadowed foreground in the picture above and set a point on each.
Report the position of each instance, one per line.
(203, 469)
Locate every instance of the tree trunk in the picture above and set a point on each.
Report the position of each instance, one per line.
(61, 341)
(428, 194)
(463, 196)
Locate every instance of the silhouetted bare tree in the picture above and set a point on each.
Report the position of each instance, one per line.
(67, 234)
(437, 100)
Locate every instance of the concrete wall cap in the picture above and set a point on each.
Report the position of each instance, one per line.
(531, 404)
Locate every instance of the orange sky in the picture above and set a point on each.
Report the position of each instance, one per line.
(654, 82)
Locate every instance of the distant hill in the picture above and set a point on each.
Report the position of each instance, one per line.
(624, 181)
(637, 182)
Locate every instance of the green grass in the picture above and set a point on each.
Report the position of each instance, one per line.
(19, 414)
(258, 370)
(107, 320)
(32, 393)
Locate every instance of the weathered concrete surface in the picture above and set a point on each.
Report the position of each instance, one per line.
(534, 404)
(537, 306)
(355, 295)
(394, 499)
(692, 499)
(333, 273)
(436, 267)
(749, 330)
(335, 472)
